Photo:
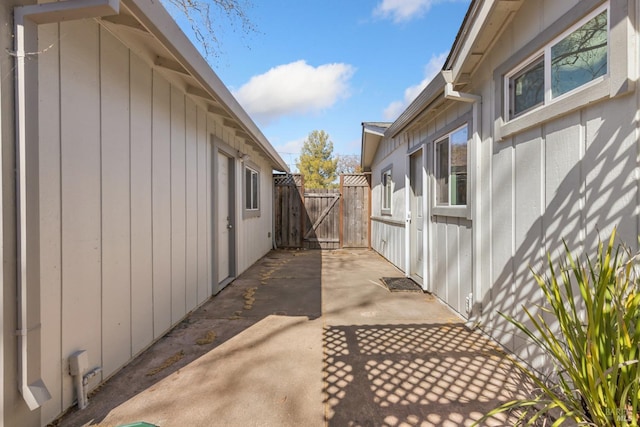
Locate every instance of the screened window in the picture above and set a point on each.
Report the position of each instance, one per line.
(252, 195)
(451, 168)
(387, 191)
(571, 61)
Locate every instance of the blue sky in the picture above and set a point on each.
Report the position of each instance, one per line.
(332, 64)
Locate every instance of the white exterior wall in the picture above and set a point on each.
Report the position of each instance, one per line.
(388, 231)
(573, 178)
(255, 235)
(126, 203)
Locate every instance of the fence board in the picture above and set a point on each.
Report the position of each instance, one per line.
(356, 194)
(322, 218)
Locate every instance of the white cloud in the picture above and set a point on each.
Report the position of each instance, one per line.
(294, 89)
(432, 68)
(292, 147)
(404, 10)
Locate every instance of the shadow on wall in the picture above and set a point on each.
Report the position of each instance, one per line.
(390, 375)
(585, 199)
(265, 289)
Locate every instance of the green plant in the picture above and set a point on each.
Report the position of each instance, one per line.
(593, 341)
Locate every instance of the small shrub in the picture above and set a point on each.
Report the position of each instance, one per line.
(593, 341)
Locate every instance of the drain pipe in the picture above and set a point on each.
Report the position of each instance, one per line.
(476, 100)
(26, 21)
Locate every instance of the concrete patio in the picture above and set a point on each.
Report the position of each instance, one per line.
(311, 338)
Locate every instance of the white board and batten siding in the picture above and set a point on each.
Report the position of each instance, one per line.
(571, 178)
(388, 229)
(125, 200)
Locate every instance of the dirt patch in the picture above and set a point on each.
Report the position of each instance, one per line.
(167, 363)
(208, 339)
(249, 298)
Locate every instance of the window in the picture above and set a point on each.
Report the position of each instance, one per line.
(387, 191)
(450, 167)
(576, 58)
(251, 189)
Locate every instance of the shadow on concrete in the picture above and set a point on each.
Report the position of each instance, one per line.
(283, 283)
(414, 374)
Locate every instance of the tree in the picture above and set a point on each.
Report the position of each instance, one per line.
(348, 163)
(207, 17)
(316, 161)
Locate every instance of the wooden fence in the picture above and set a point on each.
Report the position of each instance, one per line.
(322, 218)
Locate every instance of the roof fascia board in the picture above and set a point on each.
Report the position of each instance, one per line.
(370, 143)
(480, 13)
(159, 23)
(434, 89)
(48, 13)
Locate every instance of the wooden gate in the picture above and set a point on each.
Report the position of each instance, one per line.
(288, 210)
(322, 227)
(355, 210)
(322, 218)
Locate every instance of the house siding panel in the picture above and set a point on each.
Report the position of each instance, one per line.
(203, 207)
(388, 231)
(161, 211)
(116, 214)
(141, 205)
(50, 216)
(178, 204)
(81, 192)
(191, 210)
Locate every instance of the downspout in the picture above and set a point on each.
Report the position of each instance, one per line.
(26, 21)
(449, 93)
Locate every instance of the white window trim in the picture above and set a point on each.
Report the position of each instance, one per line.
(449, 209)
(619, 81)
(545, 53)
(386, 210)
(250, 212)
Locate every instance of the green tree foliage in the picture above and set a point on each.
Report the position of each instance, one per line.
(316, 161)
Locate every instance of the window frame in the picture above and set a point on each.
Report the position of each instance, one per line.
(247, 197)
(545, 54)
(436, 169)
(618, 82)
(386, 199)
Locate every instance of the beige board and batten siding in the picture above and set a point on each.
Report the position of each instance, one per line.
(125, 199)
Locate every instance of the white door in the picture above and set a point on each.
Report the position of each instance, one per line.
(417, 217)
(225, 220)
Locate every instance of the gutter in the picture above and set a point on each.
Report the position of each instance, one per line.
(476, 100)
(26, 21)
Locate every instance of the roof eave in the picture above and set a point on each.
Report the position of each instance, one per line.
(372, 134)
(162, 26)
(433, 90)
(483, 24)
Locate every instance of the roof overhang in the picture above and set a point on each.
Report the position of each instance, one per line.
(147, 27)
(372, 134)
(483, 24)
(426, 98)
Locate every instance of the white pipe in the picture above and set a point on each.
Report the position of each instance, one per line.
(476, 100)
(26, 20)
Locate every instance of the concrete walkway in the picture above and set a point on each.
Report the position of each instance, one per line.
(311, 338)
